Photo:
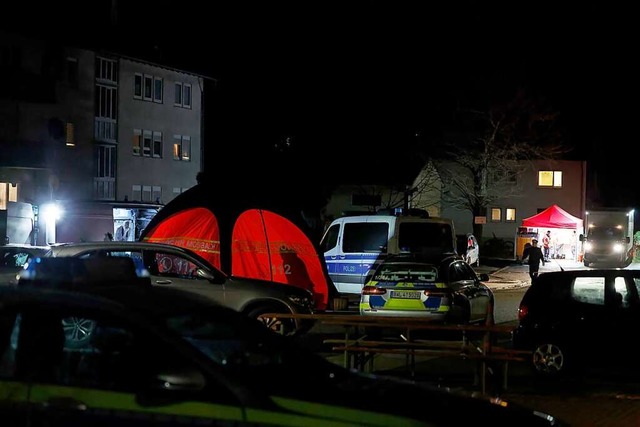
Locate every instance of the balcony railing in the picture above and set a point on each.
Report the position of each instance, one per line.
(104, 188)
(106, 129)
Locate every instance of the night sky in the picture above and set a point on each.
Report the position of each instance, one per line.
(356, 85)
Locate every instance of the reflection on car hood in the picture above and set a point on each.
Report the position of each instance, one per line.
(249, 283)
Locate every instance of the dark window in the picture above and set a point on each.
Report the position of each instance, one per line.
(137, 86)
(72, 72)
(365, 237)
(425, 237)
(366, 200)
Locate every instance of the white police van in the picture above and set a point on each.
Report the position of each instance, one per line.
(354, 245)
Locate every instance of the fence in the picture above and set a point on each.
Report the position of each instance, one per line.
(365, 337)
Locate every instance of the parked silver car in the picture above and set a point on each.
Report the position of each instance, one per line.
(176, 267)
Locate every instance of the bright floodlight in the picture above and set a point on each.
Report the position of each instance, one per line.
(51, 211)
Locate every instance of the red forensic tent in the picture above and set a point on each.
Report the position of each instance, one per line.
(245, 238)
(553, 217)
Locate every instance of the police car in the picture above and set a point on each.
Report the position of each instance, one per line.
(443, 288)
(166, 357)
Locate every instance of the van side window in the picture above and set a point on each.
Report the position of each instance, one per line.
(330, 239)
(365, 237)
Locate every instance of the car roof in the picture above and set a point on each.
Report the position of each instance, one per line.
(80, 273)
(147, 300)
(422, 258)
(71, 249)
(550, 275)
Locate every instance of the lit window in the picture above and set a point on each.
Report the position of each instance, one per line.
(496, 214)
(186, 148)
(510, 214)
(137, 86)
(8, 193)
(177, 147)
(182, 147)
(137, 137)
(550, 178)
(69, 135)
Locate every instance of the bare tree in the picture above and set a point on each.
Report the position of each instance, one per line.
(483, 159)
(424, 193)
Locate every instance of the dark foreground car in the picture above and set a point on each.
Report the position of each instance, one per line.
(578, 320)
(164, 357)
(175, 267)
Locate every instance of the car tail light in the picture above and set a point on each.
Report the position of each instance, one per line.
(523, 311)
(372, 290)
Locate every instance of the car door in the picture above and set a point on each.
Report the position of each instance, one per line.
(176, 270)
(478, 296)
(170, 269)
(622, 313)
(110, 382)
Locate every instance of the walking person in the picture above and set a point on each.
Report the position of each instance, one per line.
(533, 255)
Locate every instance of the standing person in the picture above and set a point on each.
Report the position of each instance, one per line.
(546, 241)
(122, 233)
(533, 254)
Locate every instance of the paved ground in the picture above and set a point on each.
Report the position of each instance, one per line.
(587, 404)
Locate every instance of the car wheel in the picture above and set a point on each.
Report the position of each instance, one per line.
(77, 331)
(549, 360)
(276, 324)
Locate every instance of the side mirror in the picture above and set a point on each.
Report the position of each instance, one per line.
(484, 277)
(582, 237)
(628, 239)
(201, 272)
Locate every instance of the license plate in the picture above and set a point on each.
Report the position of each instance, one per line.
(405, 294)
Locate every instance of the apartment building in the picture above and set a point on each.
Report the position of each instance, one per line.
(540, 184)
(86, 128)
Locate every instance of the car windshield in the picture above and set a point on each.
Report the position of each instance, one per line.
(405, 272)
(425, 237)
(606, 232)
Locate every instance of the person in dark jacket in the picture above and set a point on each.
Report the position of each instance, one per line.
(533, 255)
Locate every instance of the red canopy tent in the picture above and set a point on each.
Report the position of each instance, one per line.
(255, 237)
(553, 217)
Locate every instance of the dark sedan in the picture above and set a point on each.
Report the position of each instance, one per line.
(164, 357)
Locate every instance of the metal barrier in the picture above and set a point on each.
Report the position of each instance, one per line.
(365, 337)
